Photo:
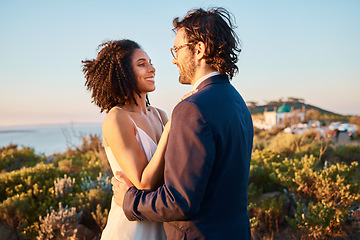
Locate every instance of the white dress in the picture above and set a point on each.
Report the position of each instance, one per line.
(118, 227)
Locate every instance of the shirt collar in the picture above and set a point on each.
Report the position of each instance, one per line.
(203, 78)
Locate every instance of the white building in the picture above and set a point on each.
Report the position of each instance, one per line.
(284, 116)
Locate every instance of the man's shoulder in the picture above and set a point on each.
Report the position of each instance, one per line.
(189, 105)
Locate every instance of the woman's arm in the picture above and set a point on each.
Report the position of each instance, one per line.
(154, 171)
(119, 133)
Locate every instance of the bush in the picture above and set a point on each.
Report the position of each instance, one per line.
(39, 180)
(327, 194)
(59, 224)
(15, 212)
(347, 154)
(11, 158)
(80, 165)
(266, 214)
(297, 181)
(261, 179)
(320, 192)
(28, 193)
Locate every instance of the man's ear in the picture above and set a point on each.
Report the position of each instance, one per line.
(199, 50)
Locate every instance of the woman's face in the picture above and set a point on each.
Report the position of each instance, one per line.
(144, 71)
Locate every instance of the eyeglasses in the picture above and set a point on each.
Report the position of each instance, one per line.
(174, 50)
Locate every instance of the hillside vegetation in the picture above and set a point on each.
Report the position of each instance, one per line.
(300, 187)
(312, 112)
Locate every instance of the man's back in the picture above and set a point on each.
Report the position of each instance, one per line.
(222, 212)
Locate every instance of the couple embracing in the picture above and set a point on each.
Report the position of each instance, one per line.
(187, 177)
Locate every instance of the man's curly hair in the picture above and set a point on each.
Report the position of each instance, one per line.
(215, 29)
(110, 77)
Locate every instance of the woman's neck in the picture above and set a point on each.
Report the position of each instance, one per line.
(140, 107)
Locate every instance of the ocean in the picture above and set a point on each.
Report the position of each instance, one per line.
(48, 139)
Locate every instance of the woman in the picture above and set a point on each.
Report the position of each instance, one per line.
(119, 79)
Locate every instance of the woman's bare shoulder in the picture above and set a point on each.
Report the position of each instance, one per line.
(116, 119)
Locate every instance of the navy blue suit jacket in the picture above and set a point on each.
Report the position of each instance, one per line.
(207, 161)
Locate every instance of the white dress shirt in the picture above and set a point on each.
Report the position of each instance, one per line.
(203, 78)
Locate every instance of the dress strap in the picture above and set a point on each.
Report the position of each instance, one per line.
(162, 124)
(129, 116)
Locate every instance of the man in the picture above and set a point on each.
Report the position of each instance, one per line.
(207, 160)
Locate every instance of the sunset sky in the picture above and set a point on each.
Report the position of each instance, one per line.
(305, 49)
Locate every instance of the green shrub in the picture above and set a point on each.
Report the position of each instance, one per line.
(310, 183)
(261, 179)
(95, 194)
(327, 193)
(285, 143)
(327, 190)
(266, 214)
(26, 194)
(94, 201)
(38, 179)
(60, 224)
(15, 211)
(12, 158)
(347, 154)
(80, 165)
(74, 179)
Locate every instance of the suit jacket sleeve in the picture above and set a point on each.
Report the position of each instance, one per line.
(189, 158)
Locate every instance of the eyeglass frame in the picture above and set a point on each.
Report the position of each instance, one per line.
(174, 50)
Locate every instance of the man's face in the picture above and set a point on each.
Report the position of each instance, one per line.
(184, 59)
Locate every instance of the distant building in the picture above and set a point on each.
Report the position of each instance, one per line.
(284, 116)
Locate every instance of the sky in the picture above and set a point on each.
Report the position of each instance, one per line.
(304, 49)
